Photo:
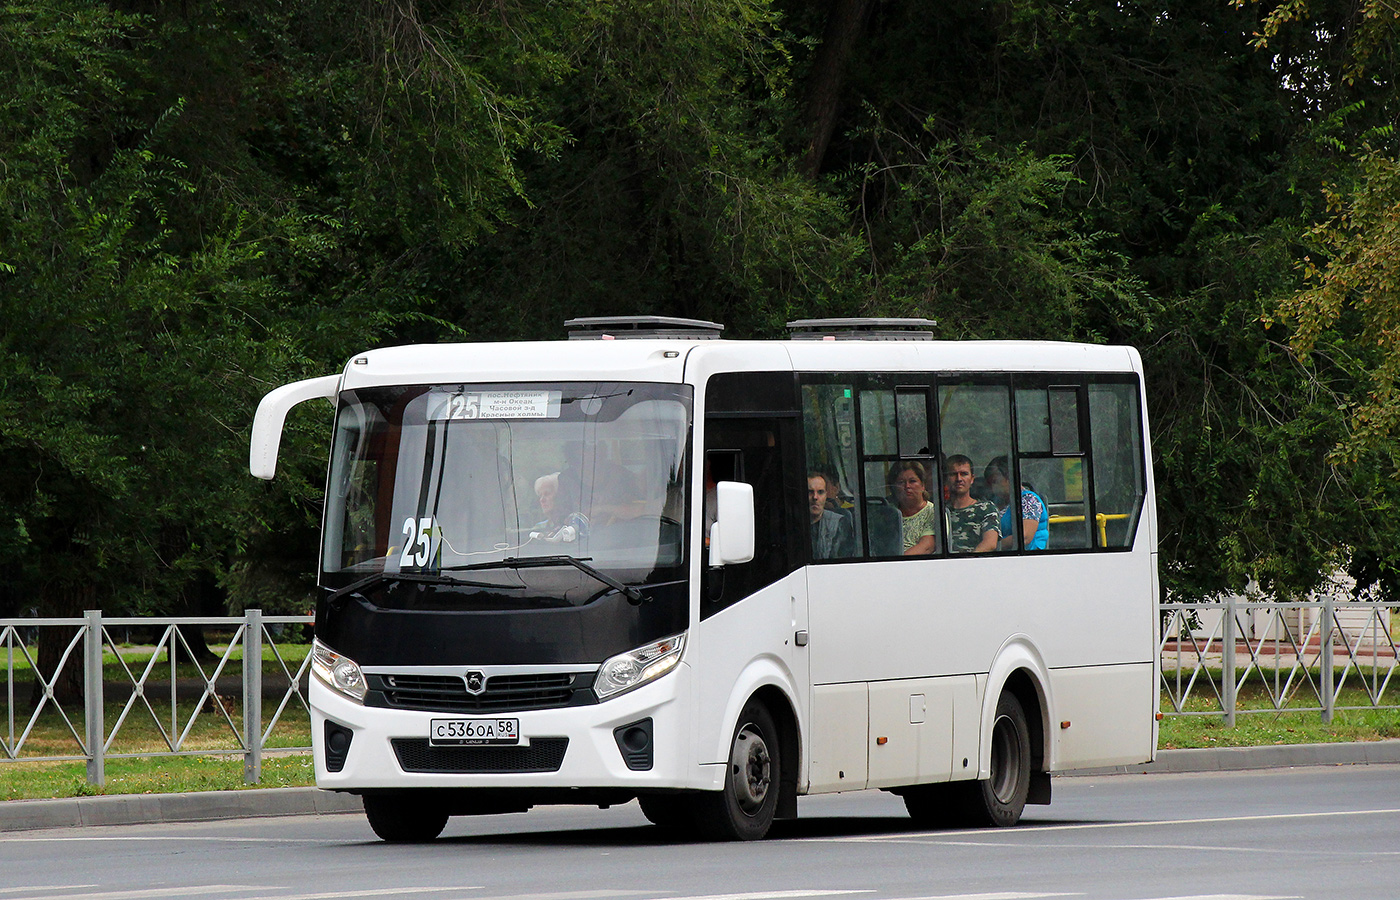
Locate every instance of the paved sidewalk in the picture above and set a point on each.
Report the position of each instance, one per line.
(137, 809)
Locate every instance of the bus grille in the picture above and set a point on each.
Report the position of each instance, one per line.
(540, 755)
(504, 693)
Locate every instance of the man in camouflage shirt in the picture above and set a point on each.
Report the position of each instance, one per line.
(974, 525)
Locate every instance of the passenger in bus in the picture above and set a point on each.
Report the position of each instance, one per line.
(558, 494)
(832, 534)
(1035, 517)
(547, 493)
(908, 483)
(835, 500)
(617, 494)
(973, 525)
(598, 492)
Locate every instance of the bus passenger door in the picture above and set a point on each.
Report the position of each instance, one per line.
(754, 615)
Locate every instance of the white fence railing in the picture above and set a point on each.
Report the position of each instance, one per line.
(1278, 656)
(36, 699)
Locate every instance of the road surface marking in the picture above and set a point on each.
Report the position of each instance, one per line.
(1030, 828)
(391, 891)
(769, 895)
(192, 890)
(1000, 895)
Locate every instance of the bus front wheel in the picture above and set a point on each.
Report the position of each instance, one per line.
(744, 809)
(404, 818)
(667, 810)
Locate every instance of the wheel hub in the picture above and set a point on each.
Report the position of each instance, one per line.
(751, 769)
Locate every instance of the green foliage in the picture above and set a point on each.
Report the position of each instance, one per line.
(977, 236)
(131, 352)
(200, 202)
(1358, 277)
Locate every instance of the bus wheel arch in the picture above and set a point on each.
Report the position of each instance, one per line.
(1029, 692)
(789, 746)
(999, 799)
(1020, 671)
(1026, 689)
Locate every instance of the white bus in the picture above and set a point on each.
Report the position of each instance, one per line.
(717, 575)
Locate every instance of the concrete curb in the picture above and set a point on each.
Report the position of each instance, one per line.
(145, 809)
(1239, 759)
(205, 806)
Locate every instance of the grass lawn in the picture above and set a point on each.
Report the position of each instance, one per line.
(37, 781)
(1262, 728)
(57, 729)
(1257, 723)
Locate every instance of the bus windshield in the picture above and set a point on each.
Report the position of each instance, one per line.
(498, 482)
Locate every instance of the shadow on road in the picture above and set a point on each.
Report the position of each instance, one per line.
(511, 832)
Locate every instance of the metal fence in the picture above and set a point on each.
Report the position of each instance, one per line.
(1227, 658)
(33, 695)
(1238, 656)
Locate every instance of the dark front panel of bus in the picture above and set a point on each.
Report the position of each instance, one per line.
(374, 636)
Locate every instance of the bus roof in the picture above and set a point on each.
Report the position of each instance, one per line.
(681, 360)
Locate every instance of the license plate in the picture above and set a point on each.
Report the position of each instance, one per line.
(457, 732)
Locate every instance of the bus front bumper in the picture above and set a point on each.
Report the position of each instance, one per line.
(573, 747)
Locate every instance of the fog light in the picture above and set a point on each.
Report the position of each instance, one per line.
(337, 748)
(634, 742)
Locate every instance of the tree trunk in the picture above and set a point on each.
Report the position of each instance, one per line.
(62, 601)
(201, 597)
(844, 21)
(193, 636)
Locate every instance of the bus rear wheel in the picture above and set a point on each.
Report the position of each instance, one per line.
(1001, 798)
(745, 808)
(404, 818)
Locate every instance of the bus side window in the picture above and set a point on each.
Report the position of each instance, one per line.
(894, 418)
(829, 435)
(1119, 487)
(1053, 461)
(975, 420)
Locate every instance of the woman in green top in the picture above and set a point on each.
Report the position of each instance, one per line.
(908, 485)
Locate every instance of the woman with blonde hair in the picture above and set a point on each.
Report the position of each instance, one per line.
(908, 483)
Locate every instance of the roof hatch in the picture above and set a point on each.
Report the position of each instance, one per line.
(862, 329)
(608, 328)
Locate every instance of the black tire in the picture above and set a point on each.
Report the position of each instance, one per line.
(405, 819)
(935, 805)
(744, 809)
(672, 811)
(1000, 799)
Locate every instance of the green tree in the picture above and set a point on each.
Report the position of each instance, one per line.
(130, 353)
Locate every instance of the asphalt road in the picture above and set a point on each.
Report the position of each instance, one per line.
(1306, 833)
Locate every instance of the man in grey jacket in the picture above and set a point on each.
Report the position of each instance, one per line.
(832, 534)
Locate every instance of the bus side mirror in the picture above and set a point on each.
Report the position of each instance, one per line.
(731, 537)
(272, 412)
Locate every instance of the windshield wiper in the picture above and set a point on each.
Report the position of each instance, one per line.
(376, 579)
(633, 595)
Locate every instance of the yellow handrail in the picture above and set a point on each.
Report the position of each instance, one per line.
(1102, 518)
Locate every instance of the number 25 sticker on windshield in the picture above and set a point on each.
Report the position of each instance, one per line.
(498, 405)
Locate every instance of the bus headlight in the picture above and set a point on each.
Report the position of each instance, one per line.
(340, 673)
(636, 667)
